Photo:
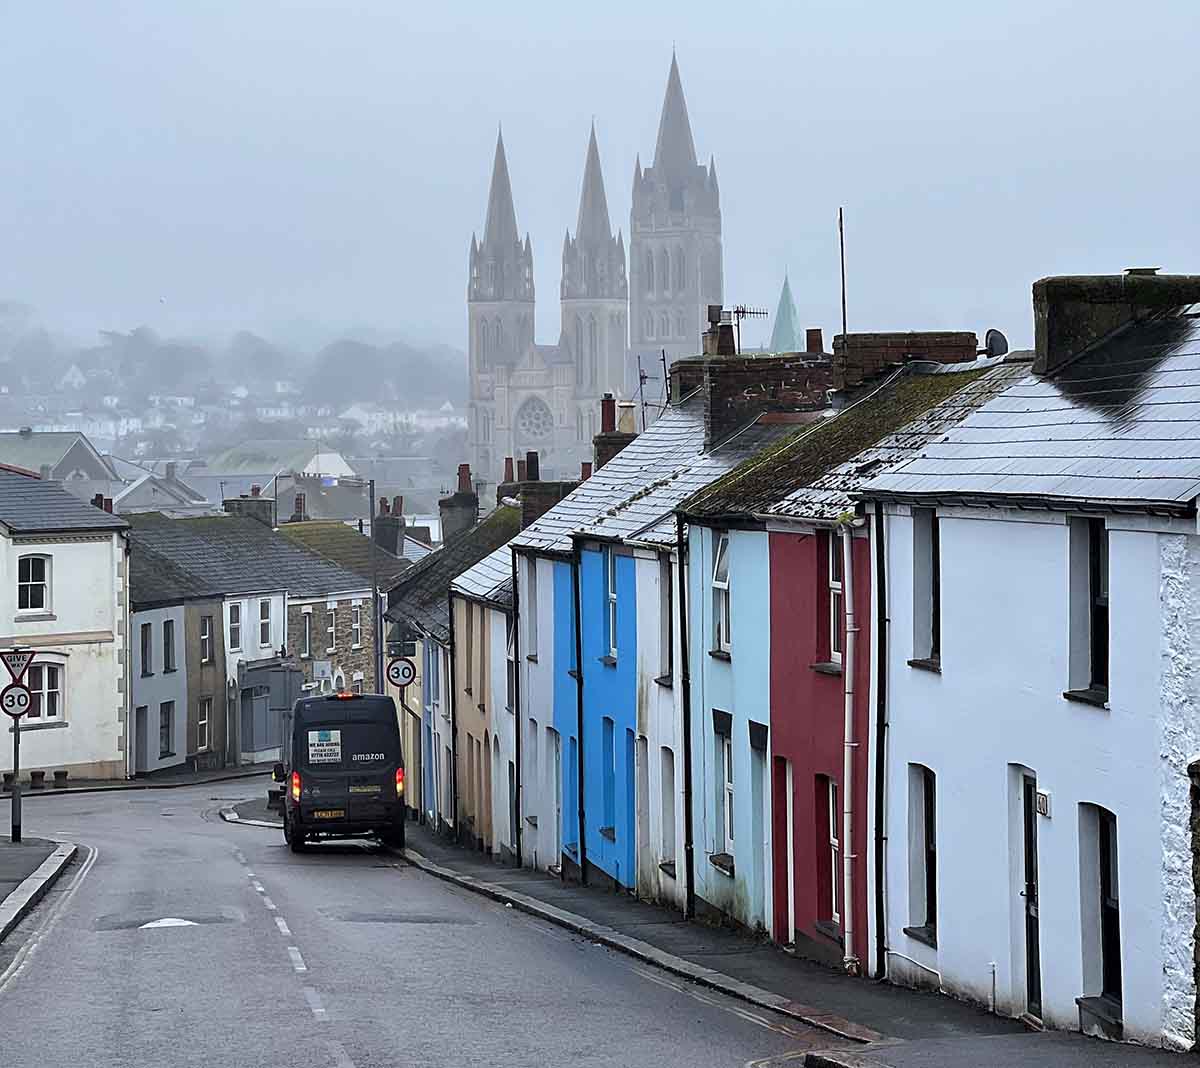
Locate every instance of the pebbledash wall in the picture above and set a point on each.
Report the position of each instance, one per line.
(84, 635)
(996, 711)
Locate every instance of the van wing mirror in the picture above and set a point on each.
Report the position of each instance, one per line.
(277, 773)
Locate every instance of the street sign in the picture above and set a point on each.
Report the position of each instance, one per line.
(401, 672)
(15, 700)
(16, 660)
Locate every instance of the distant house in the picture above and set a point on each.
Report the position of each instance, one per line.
(265, 459)
(64, 593)
(64, 456)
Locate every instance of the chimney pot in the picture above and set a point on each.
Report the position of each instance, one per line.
(626, 421)
(814, 341)
(98, 500)
(383, 506)
(608, 414)
(522, 471)
(464, 478)
(508, 469)
(532, 467)
(585, 470)
(44, 472)
(255, 491)
(398, 506)
(108, 504)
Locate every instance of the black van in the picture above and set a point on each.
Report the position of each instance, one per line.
(342, 770)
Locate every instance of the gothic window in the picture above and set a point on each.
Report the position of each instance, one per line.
(491, 274)
(593, 349)
(664, 326)
(578, 424)
(664, 267)
(534, 420)
(650, 273)
(481, 333)
(681, 325)
(498, 338)
(649, 325)
(579, 350)
(679, 271)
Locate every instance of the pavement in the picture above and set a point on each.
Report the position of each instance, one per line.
(27, 870)
(180, 939)
(172, 778)
(885, 1026)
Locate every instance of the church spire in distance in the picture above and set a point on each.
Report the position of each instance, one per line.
(500, 230)
(593, 223)
(675, 151)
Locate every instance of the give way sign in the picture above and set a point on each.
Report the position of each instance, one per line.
(17, 660)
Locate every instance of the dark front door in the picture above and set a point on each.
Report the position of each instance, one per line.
(1033, 958)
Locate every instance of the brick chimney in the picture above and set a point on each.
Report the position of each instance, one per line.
(255, 506)
(98, 501)
(1072, 312)
(814, 341)
(533, 467)
(108, 504)
(718, 339)
(508, 469)
(585, 470)
(858, 358)
(522, 471)
(300, 512)
(459, 511)
(387, 528)
(611, 439)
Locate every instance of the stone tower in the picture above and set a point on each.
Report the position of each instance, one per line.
(675, 267)
(595, 300)
(499, 308)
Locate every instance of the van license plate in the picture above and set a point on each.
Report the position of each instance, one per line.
(329, 813)
(375, 789)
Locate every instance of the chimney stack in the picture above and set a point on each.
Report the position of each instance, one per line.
(532, 467)
(814, 341)
(255, 491)
(508, 469)
(383, 506)
(1072, 312)
(253, 507)
(459, 511)
(108, 504)
(387, 531)
(718, 340)
(522, 471)
(398, 505)
(608, 414)
(585, 470)
(858, 358)
(299, 515)
(44, 472)
(614, 434)
(98, 501)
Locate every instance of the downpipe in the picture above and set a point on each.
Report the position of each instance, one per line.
(850, 961)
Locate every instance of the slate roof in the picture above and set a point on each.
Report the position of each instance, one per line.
(40, 447)
(266, 456)
(155, 580)
(490, 580)
(31, 506)
(421, 597)
(813, 472)
(1117, 427)
(241, 555)
(671, 444)
(345, 546)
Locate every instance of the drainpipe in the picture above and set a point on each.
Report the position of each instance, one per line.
(850, 962)
(453, 698)
(685, 681)
(881, 726)
(516, 709)
(579, 713)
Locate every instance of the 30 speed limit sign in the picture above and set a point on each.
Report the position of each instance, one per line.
(400, 672)
(15, 700)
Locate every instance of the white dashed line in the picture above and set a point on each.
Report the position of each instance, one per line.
(281, 923)
(297, 960)
(314, 1002)
(341, 1058)
(239, 856)
(259, 888)
(268, 902)
(249, 875)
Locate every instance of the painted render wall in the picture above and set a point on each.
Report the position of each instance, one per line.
(610, 702)
(153, 686)
(437, 740)
(85, 635)
(997, 707)
(741, 687)
(808, 732)
(250, 648)
(503, 726)
(473, 719)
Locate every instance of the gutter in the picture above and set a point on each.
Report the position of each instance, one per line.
(881, 727)
(850, 961)
(515, 616)
(685, 681)
(582, 843)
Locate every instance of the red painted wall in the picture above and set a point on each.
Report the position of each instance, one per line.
(807, 728)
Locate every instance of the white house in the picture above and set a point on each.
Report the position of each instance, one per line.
(159, 686)
(1042, 584)
(64, 593)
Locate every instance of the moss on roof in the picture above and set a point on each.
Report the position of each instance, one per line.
(806, 455)
(344, 545)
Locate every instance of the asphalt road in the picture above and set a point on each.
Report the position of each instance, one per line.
(344, 957)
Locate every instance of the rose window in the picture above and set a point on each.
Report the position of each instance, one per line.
(534, 420)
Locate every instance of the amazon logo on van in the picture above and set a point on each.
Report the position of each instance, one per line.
(368, 756)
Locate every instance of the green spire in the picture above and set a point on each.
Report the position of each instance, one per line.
(785, 336)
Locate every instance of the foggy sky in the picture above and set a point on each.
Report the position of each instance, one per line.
(209, 165)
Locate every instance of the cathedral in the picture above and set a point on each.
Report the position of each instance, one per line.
(527, 397)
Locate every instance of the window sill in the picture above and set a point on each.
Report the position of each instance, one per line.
(531, 657)
(608, 661)
(356, 645)
(667, 867)
(609, 833)
(667, 681)
(330, 651)
(36, 725)
(720, 654)
(827, 667)
(146, 675)
(1091, 696)
(531, 820)
(34, 617)
(468, 691)
(925, 934)
(927, 663)
(830, 930)
(163, 756)
(723, 862)
(572, 848)
(169, 671)
(1103, 1007)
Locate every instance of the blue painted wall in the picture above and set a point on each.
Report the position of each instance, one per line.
(566, 712)
(609, 692)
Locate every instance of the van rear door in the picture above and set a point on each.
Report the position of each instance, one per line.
(349, 770)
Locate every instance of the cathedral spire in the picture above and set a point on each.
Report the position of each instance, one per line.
(500, 230)
(675, 151)
(593, 224)
(785, 335)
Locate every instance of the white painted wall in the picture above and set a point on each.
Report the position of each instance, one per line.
(503, 729)
(997, 704)
(151, 691)
(250, 647)
(83, 633)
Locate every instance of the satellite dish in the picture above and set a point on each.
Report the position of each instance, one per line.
(995, 343)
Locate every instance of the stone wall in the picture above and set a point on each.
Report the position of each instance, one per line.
(347, 658)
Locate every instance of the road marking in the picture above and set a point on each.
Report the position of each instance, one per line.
(695, 992)
(167, 921)
(314, 1002)
(281, 923)
(297, 960)
(258, 887)
(239, 856)
(340, 1058)
(268, 902)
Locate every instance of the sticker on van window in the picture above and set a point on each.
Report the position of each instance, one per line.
(324, 747)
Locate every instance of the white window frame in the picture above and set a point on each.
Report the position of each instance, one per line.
(835, 852)
(331, 628)
(356, 626)
(610, 589)
(306, 633)
(356, 682)
(39, 694)
(146, 647)
(725, 741)
(28, 584)
(722, 615)
(203, 719)
(169, 708)
(264, 621)
(836, 586)
(206, 639)
(530, 607)
(168, 634)
(235, 626)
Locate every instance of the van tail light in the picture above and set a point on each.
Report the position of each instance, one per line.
(399, 782)
(295, 786)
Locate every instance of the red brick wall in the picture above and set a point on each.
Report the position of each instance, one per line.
(857, 357)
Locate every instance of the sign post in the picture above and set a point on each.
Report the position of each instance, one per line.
(401, 672)
(15, 702)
